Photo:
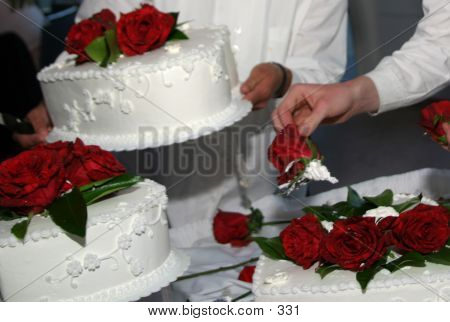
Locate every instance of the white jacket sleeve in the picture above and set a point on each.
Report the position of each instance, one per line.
(318, 52)
(422, 66)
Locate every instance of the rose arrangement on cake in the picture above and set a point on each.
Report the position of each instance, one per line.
(59, 181)
(365, 235)
(434, 116)
(102, 38)
(297, 159)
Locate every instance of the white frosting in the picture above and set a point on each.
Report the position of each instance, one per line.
(179, 92)
(327, 225)
(381, 212)
(316, 171)
(413, 284)
(126, 254)
(428, 201)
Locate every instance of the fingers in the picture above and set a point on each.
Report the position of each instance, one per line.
(40, 119)
(282, 116)
(28, 141)
(310, 124)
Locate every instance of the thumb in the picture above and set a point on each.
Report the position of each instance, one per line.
(310, 124)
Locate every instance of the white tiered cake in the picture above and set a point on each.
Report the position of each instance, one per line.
(126, 255)
(178, 92)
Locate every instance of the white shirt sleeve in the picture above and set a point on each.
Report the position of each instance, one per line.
(422, 66)
(318, 53)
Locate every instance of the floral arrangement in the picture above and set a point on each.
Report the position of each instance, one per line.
(297, 159)
(365, 235)
(59, 181)
(103, 39)
(433, 118)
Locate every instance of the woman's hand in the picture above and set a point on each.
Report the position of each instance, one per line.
(40, 120)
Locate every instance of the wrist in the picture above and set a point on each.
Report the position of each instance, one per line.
(365, 98)
(285, 80)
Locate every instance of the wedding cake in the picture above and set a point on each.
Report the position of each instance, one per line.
(179, 91)
(384, 248)
(283, 281)
(126, 254)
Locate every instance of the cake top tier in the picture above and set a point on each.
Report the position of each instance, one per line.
(203, 44)
(137, 199)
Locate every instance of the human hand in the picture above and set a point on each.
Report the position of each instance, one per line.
(308, 105)
(261, 86)
(40, 120)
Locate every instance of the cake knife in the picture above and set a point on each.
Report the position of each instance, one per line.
(15, 124)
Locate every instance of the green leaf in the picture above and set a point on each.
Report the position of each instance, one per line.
(322, 212)
(413, 259)
(113, 46)
(407, 204)
(312, 147)
(20, 229)
(442, 139)
(98, 51)
(7, 214)
(116, 184)
(437, 118)
(346, 210)
(445, 203)
(175, 16)
(325, 269)
(178, 35)
(256, 220)
(95, 184)
(354, 199)
(385, 199)
(70, 213)
(441, 257)
(367, 275)
(271, 247)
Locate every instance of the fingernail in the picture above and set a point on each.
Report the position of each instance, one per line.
(304, 130)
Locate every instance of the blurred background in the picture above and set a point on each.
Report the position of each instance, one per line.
(361, 149)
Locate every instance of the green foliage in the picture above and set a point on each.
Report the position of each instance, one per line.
(271, 247)
(70, 213)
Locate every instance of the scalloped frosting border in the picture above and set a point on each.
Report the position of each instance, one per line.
(236, 111)
(279, 289)
(49, 75)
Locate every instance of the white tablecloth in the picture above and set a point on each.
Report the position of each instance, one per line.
(206, 254)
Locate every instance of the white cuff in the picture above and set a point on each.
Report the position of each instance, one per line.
(389, 88)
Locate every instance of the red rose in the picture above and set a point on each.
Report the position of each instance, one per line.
(354, 244)
(143, 30)
(80, 36)
(31, 181)
(64, 150)
(385, 226)
(289, 146)
(433, 117)
(106, 18)
(230, 227)
(246, 275)
(423, 229)
(301, 240)
(90, 164)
